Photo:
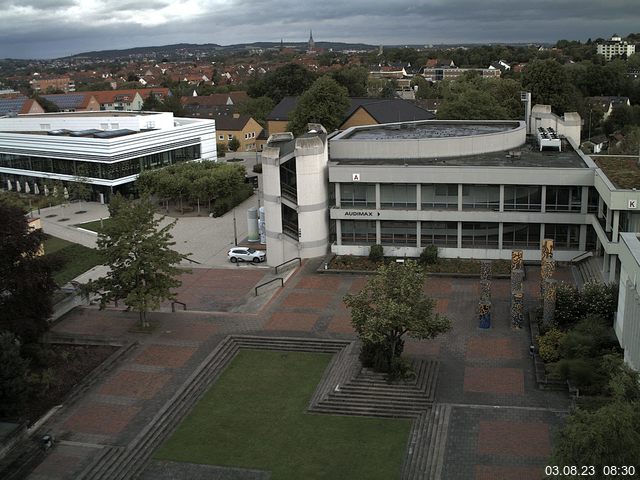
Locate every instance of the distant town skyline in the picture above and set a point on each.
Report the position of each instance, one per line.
(51, 29)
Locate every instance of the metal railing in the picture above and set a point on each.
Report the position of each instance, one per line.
(289, 261)
(173, 305)
(267, 283)
(582, 256)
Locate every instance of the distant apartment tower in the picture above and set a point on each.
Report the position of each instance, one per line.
(615, 47)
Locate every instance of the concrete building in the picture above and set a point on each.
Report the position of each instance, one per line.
(107, 149)
(475, 189)
(615, 47)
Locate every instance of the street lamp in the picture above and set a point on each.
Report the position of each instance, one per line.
(235, 230)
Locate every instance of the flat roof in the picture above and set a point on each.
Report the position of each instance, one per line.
(431, 129)
(527, 155)
(624, 172)
(101, 113)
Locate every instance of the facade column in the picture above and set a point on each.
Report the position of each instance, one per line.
(418, 230)
(612, 268)
(543, 203)
(338, 232)
(459, 234)
(600, 207)
(542, 237)
(583, 238)
(501, 207)
(418, 198)
(616, 225)
(459, 199)
(584, 205)
(608, 221)
(378, 198)
(500, 232)
(378, 233)
(338, 195)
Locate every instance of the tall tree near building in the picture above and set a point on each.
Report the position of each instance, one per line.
(234, 144)
(288, 80)
(26, 283)
(325, 102)
(142, 266)
(549, 84)
(390, 305)
(257, 108)
(13, 371)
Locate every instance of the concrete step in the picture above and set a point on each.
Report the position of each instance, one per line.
(400, 402)
(340, 409)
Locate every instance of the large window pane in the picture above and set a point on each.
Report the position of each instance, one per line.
(442, 234)
(398, 233)
(521, 235)
(563, 199)
(401, 196)
(439, 197)
(564, 236)
(522, 197)
(482, 235)
(358, 232)
(480, 197)
(358, 195)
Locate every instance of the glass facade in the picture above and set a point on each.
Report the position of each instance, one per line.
(358, 195)
(521, 235)
(480, 197)
(102, 170)
(564, 236)
(480, 235)
(442, 234)
(398, 233)
(290, 222)
(358, 232)
(288, 180)
(563, 199)
(522, 198)
(400, 196)
(439, 197)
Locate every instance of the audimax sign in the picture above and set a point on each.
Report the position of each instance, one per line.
(361, 213)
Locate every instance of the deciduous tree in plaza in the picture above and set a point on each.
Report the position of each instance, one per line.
(142, 265)
(26, 282)
(390, 305)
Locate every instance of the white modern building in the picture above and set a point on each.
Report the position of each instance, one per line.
(615, 47)
(475, 189)
(108, 150)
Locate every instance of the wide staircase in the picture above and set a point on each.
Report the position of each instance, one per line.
(345, 389)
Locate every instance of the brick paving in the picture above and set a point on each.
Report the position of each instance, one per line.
(494, 380)
(165, 355)
(501, 425)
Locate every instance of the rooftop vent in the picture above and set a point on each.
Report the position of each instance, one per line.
(548, 138)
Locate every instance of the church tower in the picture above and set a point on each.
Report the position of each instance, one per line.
(312, 44)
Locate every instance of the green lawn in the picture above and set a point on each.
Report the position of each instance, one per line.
(95, 225)
(71, 259)
(254, 417)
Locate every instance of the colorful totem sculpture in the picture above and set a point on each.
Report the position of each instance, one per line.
(517, 289)
(484, 306)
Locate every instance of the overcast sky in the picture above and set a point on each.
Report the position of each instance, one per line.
(54, 28)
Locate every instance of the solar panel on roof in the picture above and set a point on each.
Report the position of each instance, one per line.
(10, 105)
(66, 101)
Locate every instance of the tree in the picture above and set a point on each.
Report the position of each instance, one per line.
(390, 305)
(26, 283)
(13, 371)
(142, 265)
(257, 108)
(325, 102)
(550, 84)
(288, 80)
(234, 144)
(354, 79)
(607, 436)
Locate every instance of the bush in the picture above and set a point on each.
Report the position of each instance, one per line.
(221, 149)
(568, 305)
(597, 299)
(429, 255)
(549, 345)
(376, 253)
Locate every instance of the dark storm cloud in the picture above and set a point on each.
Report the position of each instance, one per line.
(44, 28)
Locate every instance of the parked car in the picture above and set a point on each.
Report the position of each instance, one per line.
(245, 254)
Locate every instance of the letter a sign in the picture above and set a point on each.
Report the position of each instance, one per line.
(356, 177)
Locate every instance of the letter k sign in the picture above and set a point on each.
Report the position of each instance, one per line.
(633, 204)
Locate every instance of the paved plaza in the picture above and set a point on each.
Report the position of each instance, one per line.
(501, 424)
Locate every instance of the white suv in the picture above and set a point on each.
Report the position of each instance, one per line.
(245, 254)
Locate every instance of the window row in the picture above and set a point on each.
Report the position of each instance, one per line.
(474, 197)
(109, 171)
(445, 234)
